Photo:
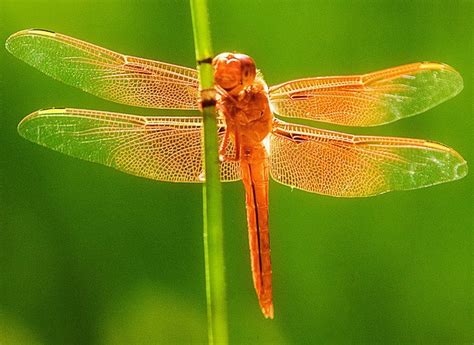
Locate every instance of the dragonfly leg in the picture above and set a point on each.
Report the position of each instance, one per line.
(223, 157)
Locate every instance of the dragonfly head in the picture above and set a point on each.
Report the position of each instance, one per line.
(232, 70)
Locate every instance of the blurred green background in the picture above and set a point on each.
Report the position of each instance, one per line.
(89, 255)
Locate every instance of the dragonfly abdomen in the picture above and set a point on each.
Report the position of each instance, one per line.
(254, 167)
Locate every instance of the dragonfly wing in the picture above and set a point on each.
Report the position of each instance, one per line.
(344, 165)
(104, 73)
(159, 148)
(368, 100)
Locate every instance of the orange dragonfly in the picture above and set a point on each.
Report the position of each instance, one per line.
(253, 143)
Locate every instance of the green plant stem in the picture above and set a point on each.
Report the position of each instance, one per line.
(212, 194)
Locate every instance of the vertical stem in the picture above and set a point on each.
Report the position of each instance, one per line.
(212, 200)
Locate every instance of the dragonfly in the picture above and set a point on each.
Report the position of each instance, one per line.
(255, 144)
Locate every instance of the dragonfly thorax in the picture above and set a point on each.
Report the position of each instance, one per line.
(247, 115)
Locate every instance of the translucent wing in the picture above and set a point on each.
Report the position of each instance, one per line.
(159, 148)
(104, 73)
(344, 165)
(370, 99)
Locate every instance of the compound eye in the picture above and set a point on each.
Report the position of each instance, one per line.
(220, 59)
(248, 68)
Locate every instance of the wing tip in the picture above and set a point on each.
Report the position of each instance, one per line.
(439, 66)
(459, 166)
(461, 170)
(37, 113)
(21, 125)
(27, 32)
